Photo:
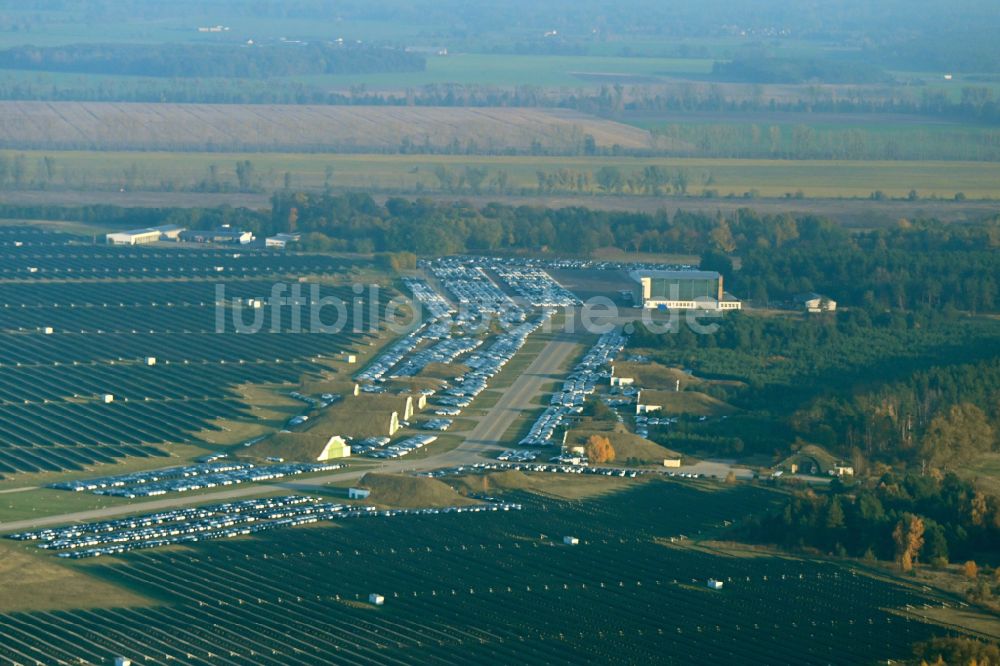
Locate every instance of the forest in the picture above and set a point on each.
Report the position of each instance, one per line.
(911, 518)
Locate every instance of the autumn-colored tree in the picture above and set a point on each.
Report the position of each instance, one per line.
(599, 449)
(970, 570)
(956, 435)
(978, 508)
(909, 539)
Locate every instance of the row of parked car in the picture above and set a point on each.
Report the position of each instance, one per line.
(444, 351)
(188, 477)
(590, 264)
(536, 286)
(523, 455)
(436, 327)
(484, 365)
(470, 286)
(437, 424)
(643, 422)
(361, 447)
(211, 522)
(405, 447)
(578, 385)
(553, 468)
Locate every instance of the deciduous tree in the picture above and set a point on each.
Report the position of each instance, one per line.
(599, 449)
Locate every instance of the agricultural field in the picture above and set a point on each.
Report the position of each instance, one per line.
(763, 184)
(217, 127)
(505, 70)
(456, 586)
(80, 322)
(852, 136)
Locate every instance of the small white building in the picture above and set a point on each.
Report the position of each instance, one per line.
(842, 469)
(671, 462)
(223, 235)
(622, 381)
(714, 584)
(358, 493)
(350, 358)
(123, 661)
(376, 599)
(150, 360)
(815, 303)
(107, 398)
(47, 330)
(571, 541)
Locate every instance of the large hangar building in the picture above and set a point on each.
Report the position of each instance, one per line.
(683, 290)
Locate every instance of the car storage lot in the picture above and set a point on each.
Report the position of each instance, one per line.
(218, 521)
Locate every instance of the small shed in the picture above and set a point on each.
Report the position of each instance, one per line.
(714, 584)
(107, 398)
(149, 360)
(376, 599)
(571, 541)
(671, 462)
(358, 493)
(47, 330)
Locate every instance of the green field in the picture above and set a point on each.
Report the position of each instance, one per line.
(852, 136)
(518, 70)
(416, 173)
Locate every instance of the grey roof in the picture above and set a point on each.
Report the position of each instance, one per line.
(161, 229)
(675, 275)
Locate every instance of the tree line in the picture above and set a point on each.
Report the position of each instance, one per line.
(224, 61)
(911, 266)
(911, 519)
(975, 102)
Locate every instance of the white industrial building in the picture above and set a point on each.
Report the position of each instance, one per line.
(143, 236)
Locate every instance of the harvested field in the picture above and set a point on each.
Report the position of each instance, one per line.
(33, 582)
(214, 127)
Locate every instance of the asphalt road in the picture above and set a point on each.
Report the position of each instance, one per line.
(520, 396)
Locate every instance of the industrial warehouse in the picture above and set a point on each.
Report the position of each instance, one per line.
(684, 290)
